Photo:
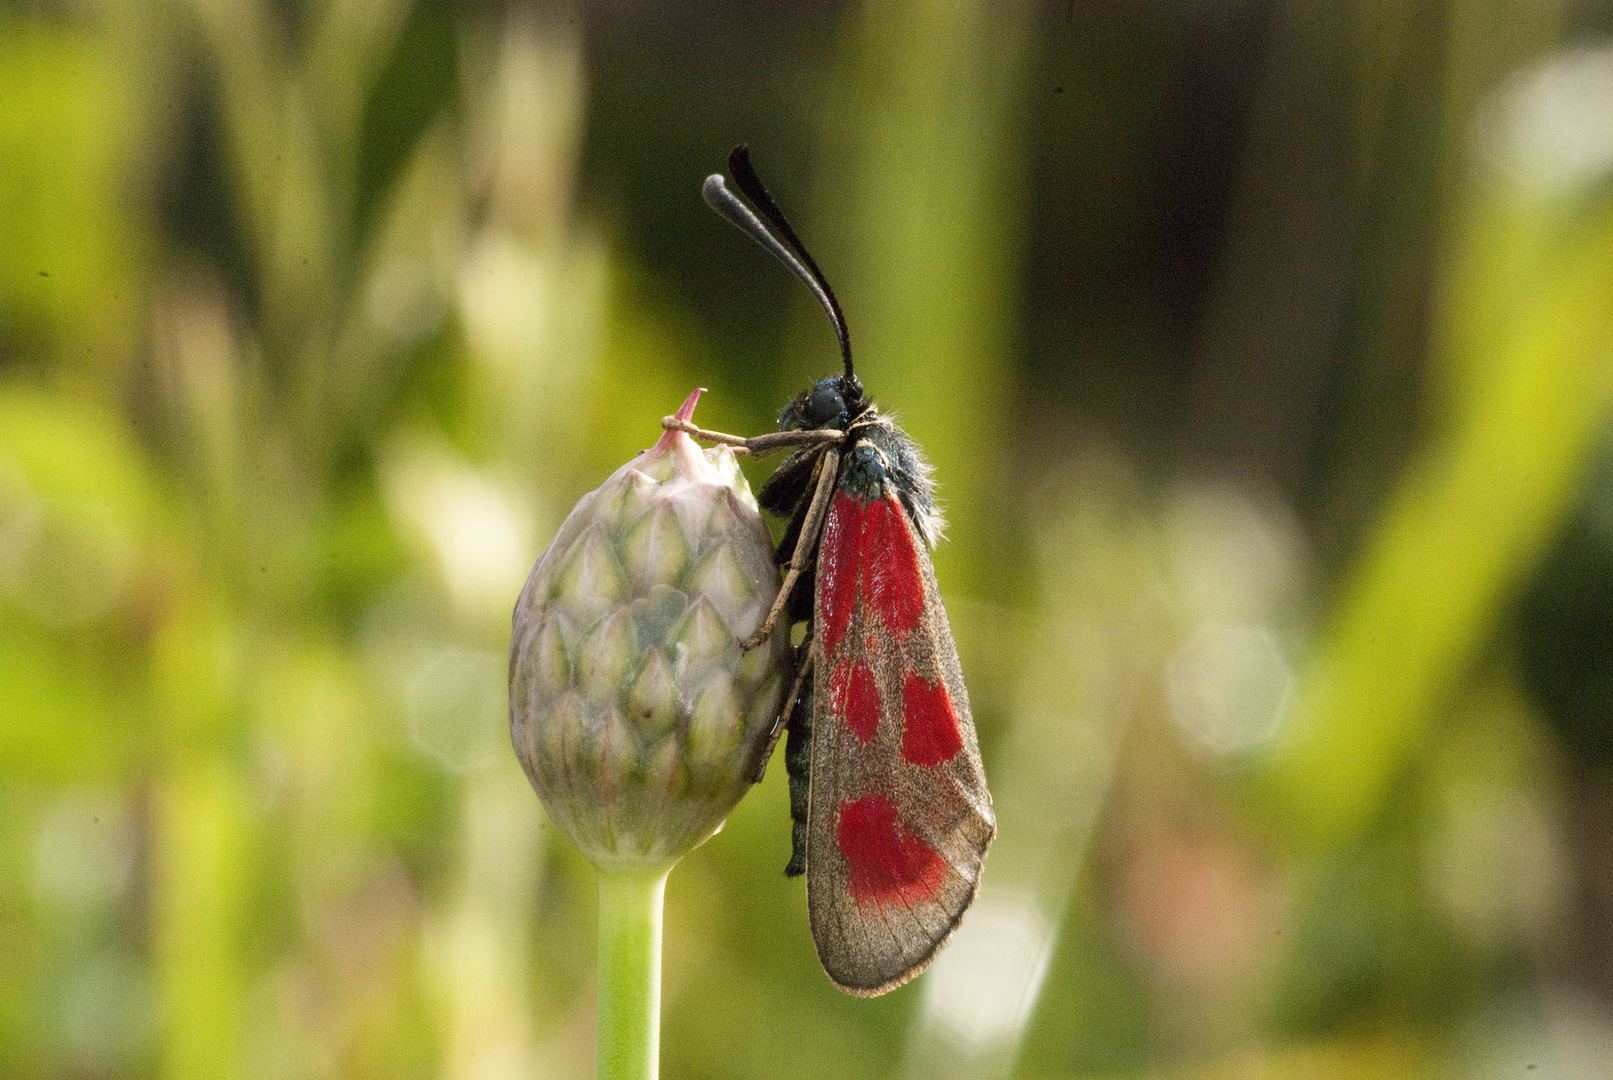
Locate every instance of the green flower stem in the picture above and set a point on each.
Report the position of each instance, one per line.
(630, 971)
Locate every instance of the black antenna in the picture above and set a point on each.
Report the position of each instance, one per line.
(789, 251)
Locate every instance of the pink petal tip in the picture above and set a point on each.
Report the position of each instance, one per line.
(686, 410)
(684, 413)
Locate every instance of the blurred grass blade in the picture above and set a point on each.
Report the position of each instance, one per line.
(1523, 346)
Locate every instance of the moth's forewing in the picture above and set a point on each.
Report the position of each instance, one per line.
(899, 815)
(790, 482)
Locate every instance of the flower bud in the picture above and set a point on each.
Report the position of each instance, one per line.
(634, 712)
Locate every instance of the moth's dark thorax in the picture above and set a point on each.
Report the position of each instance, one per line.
(863, 461)
(880, 459)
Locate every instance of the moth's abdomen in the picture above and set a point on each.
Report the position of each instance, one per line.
(797, 765)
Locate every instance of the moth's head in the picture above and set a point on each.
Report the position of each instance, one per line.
(828, 403)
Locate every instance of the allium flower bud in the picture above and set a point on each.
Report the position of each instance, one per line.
(635, 714)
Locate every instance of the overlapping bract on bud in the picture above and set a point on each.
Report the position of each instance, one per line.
(634, 712)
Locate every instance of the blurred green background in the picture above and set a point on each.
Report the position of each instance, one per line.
(1263, 349)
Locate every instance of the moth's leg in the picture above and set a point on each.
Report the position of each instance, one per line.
(757, 445)
(806, 545)
(784, 714)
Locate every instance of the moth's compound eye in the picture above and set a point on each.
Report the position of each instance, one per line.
(824, 405)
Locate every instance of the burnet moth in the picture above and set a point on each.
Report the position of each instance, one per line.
(892, 818)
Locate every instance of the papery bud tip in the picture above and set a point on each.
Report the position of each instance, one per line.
(685, 413)
(686, 410)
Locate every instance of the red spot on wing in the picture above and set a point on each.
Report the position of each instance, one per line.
(891, 566)
(839, 554)
(888, 865)
(854, 697)
(930, 729)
